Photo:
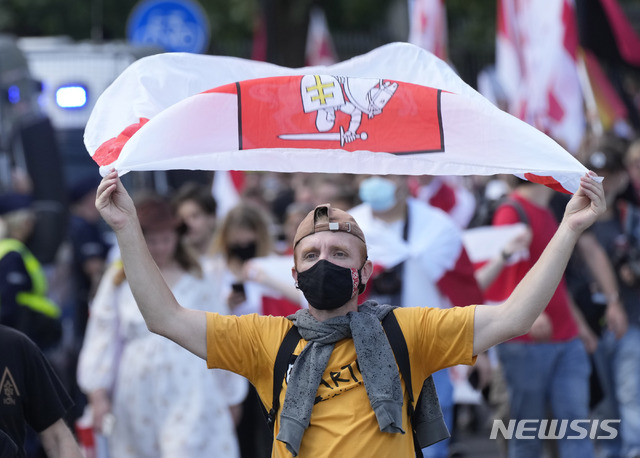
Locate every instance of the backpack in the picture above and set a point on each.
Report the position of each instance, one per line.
(513, 203)
(400, 352)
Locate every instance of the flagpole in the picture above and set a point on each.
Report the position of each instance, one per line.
(589, 98)
(97, 34)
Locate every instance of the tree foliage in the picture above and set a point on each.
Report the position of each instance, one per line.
(357, 25)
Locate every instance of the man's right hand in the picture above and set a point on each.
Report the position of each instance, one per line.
(162, 313)
(114, 203)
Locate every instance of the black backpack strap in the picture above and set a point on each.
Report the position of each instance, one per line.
(401, 353)
(280, 366)
(513, 203)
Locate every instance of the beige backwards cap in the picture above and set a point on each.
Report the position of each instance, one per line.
(326, 218)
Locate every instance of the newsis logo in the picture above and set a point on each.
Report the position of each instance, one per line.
(555, 429)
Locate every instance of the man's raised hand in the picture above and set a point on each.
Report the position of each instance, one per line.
(586, 205)
(114, 203)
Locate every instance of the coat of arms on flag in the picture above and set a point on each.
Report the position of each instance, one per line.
(325, 112)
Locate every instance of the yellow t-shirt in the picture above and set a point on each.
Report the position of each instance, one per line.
(342, 421)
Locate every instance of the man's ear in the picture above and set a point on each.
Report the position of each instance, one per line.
(294, 274)
(366, 271)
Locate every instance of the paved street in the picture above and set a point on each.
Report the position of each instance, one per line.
(472, 435)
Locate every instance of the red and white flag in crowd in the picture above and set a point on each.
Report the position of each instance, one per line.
(320, 49)
(395, 110)
(536, 64)
(601, 97)
(428, 26)
(226, 189)
(606, 37)
(606, 31)
(484, 243)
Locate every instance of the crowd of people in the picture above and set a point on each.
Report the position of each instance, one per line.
(148, 397)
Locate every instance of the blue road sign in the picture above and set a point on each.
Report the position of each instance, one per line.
(174, 25)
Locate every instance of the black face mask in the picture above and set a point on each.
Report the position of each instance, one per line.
(328, 286)
(183, 229)
(243, 252)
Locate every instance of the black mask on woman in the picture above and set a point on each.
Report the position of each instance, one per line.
(243, 252)
(328, 286)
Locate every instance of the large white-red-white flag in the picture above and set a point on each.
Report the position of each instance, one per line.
(536, 54)
(396, 110)
(428, 26)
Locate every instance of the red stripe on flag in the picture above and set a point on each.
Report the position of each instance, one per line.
(110, 150)
(547, 181)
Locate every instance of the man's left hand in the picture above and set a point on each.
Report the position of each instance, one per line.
(586, 205)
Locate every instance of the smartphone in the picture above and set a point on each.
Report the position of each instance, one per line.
(238, 288)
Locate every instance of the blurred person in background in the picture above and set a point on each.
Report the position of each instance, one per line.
(243, 236)
(497, 394)
(32, 395)
(294, 214)
(631, 193)
(550, 364)
(618, 356)
(590, 274)
(488, 192)
(79, 268)
(305, 191)
(418, 258)
(89, 248)
(146, 395)
(24, 304)
(448, 193)
(319, 188)
(195, 207)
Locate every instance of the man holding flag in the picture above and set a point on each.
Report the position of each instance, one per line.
(344, 394)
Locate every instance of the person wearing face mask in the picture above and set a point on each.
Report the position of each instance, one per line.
(343, 395)
(242, 260)
(418, 258)
(245, 262)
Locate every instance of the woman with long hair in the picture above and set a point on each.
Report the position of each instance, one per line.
(164, 402)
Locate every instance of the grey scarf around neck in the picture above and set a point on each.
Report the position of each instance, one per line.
(376, 361)
(377, 365)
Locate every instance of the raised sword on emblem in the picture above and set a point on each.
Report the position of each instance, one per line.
(325, 94)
